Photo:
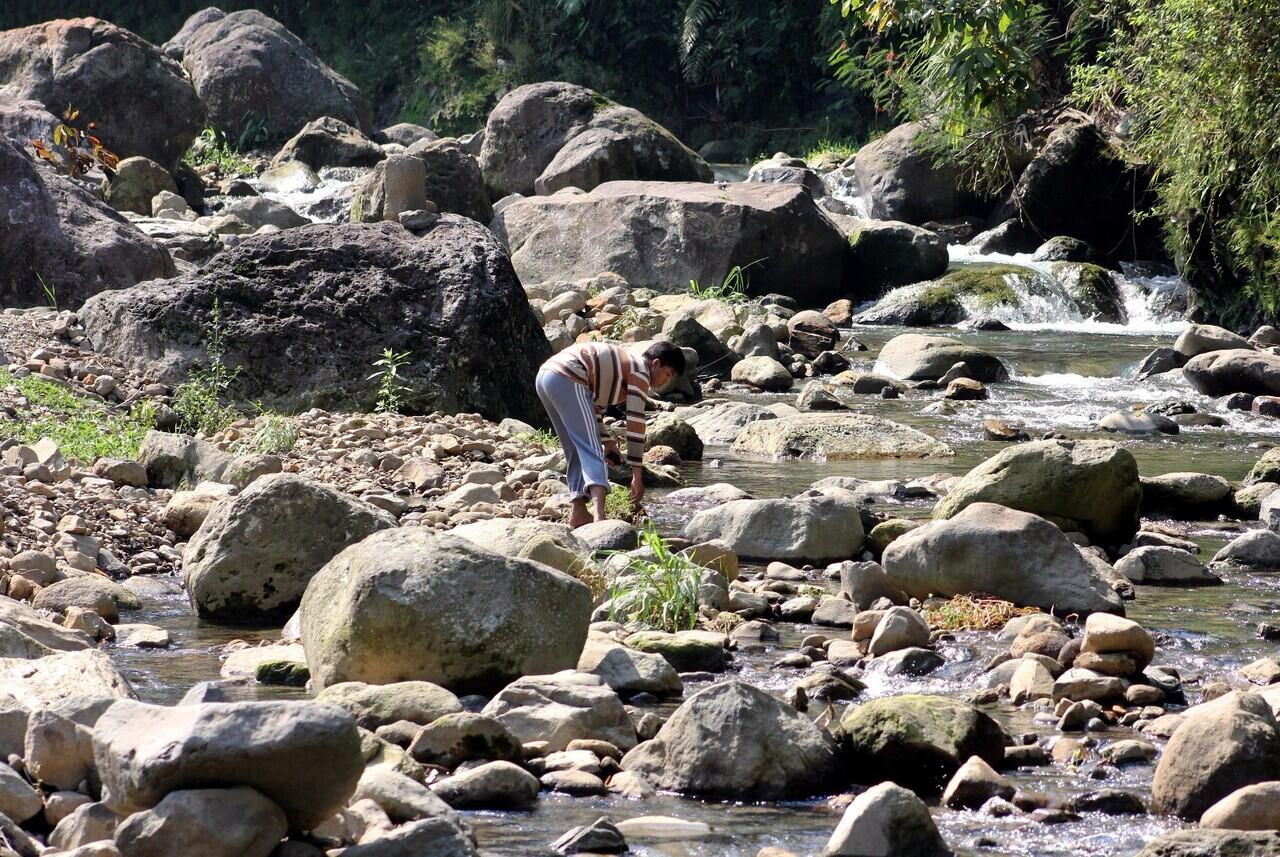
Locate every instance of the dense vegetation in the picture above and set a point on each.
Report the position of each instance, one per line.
(1192, 85)
(751, 71)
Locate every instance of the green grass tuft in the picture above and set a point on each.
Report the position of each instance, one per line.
(659, 591)
(82, 429)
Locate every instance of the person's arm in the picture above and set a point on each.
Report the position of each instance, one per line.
(637, 390)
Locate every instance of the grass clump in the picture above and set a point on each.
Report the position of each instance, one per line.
(274, 434)
(659, 590)
(540, 438)
(732, 289)
(213, 147)
(970, 613)
(82, 430)
(842, 149)
(618, 505)
(200, 402)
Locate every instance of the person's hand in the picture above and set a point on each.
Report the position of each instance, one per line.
(611, 453)
(637, 485)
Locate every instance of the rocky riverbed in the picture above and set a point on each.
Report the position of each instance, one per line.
(959, 538)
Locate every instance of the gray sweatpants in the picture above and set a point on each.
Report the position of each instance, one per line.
(573, 415)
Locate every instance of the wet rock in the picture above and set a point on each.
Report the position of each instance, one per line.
(493, 785)
(918, 741)
(1198, 339)
(1137, 422)
(255, 553)
(735, 741)
(1165, 566)
(686, 651)
(1256, 550)
(1184, 492)
(1193, 843)
(898, 628)
(1010, 554)
(1220, 746)
(1158, 361)
(815, 528)
(375, 705)
(1252, 807)
(304, 756)
(1219, 373)
(920, 357)
(599, 837)
(456, 738)
(560, 708)
(903, 181)
(234, 822)
(974, 784)
(885, 821)
(402, 605)
(1090, 486)
(889, 253)
(668, 430)
(836, 437)
(1109, 802)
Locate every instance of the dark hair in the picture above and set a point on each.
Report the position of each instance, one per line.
(668, 354)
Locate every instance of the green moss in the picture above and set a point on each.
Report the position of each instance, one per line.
(601, 102)
(989, 285)
(284, 673)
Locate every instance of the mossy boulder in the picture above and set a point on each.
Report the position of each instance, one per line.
(1091, 486)
(957, 295)
(918, 741)
(1266, 468)
(694, 651)
(1092, 289)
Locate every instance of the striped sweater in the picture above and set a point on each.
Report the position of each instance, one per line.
(613, 376)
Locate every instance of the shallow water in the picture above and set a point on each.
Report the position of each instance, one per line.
(1065, 377)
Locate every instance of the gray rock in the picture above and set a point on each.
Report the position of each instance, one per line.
(629, 671)
(886, 821)
(232, 822)
(329, 142)
(763, 373)
(493, 785)
(1165, 565)
(735, 741)
(1220, 373)
(255, 553)
(1256, 550)
(819, 528)
(89, 592)
(902, 180)
(1090, 486)
(921, 357)
(374, 705)
(1248, 808)
(1219, 747)
(836, 437)
(1203, 843)
(1002, 552)
(1197, 339)
(561, 708)
(304, 756)
(407, 604)
(280, 83)
(57, 230)
(452, 291)
(660, 235)
(77, 685)
(456, 738)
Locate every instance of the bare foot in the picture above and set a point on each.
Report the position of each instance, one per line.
(579, 517)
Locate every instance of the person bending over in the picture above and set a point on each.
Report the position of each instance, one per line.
(575, 387)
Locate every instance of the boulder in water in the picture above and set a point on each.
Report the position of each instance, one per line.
(1199, 339)
(1091, 486)
(735, 741)
(819, 528)
(920, 357)
(329, 142)
(138, 99)
(885, 821)
(58, 233)
(902, 180)
(888, 253)
(998, 551)
(407, 604)
(662, 235)
(1202, 843)
(1237, 370)
(721, 424)
(837, 437)
(449, 298)
(249, 69)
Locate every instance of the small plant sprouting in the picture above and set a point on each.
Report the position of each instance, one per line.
(275, 434)
(199, 402)
(391, 388)
(73, 151)
(659, 590)
(541, 438)
(50, 293)
(618, 505)
(733, 289)
(212, 147)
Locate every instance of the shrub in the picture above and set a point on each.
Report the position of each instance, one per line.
(659, 590)
(274, 434)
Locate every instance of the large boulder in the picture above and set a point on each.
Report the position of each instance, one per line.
(819, 528)
(59, 233)
(722, 423)
(917, 741)
(994, 550)
(1219, 746)
(1236, 370)
(1080, 185)
(840, 437)
(901, 180)
(922, 357)
(441, 172)
(888, 253)
(177, 44)
(77, 685)
(307, 311)
(254, 554)
(1197, 339)
(234, 822)
(1090, 486)
(138, 99)
(531, 125)
(329, 142)
(661, 235)
(738, 742)
(886, 821)
(248, 68)
(408, 604)
(1213, 843)
(304, 756)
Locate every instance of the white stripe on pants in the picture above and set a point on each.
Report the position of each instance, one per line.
(573, 415)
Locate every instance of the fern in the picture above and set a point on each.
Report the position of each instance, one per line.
(695, 52)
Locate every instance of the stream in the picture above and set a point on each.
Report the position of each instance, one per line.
(1066, 373)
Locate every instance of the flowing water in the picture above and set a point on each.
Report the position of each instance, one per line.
(1067, 372)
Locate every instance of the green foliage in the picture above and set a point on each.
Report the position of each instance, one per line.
(659, 590)
(212, 147)
(83, 430)
(50, 293)
(618, 505)
(540, 437)
(391, 388)
(988, 285)
(274, 434)
(1202, 78)
(200, 402)
(460, 78)
(842, 149)
(732, 289)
